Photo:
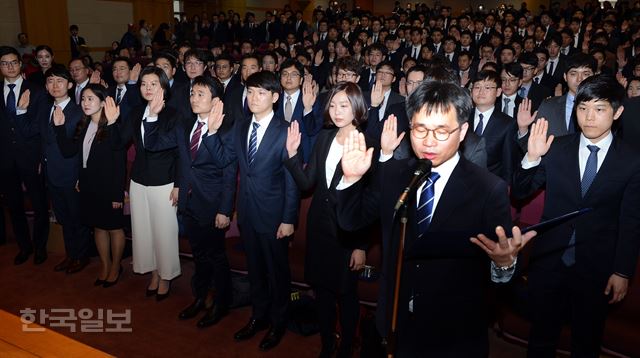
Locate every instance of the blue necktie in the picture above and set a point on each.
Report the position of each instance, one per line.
(372, 81)
(253, 143)
(480, 125)
(425, 206)
(11, 100)
(119, 96)
(590, 170)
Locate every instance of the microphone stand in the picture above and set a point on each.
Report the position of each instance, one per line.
(392, 341)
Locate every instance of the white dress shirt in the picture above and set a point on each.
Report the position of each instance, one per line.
(333, 158)
(264, 123)
(485, 118)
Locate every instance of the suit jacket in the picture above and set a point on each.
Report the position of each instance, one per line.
(500, 144)
(300, 30)
(267, 195)
(554, 111)
(444, 272)
(607, 238)
(308, 137)
(130, 100)
(75, 48)
(207, 185)
(517, 102)
(629, 127)
(234, 106)
(179, 101)
(395, 105)
(538, 93)
(365, 75)
(15, 148)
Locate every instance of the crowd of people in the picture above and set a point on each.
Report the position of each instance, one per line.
(229, 117)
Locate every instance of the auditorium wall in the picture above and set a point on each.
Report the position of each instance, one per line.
(9, 22)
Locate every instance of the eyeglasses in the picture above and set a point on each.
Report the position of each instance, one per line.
(292, 75)
(440, 134)
(193, 63)
(385, 73)
(486, 88)
(9, 63)
(346, 75)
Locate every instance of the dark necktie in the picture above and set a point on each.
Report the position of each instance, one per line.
(550, 73)
(372, 80)
(536, 80)
(253, 143)
(195, 139)
(478, 130)
(11, 100)
(415, 53)
(590, 170)
(119, 95)
(505, 109)
(425, 206)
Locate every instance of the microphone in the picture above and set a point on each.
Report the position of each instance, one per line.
(422, 168)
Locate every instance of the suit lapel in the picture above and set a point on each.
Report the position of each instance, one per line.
(452, 195)
(268, 138)
(244, 134)
(609, 165)
(571, 154)
(187, 133)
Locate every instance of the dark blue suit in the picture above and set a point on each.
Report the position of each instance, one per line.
(20, 160)
(267, 197)
(61, 173)
(130, 100)
(308, 137)
(207, 188)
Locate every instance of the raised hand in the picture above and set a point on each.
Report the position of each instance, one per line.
(95, 77)
(58, 116)
(505, 251)
(318, 58)
(308, 93)
(402, 86)
(621, 79)
(538, 144)
(135, 73)
(293, 139)
(524, 117)
(356, 158)
(23, 103)
(111, 111)
(216, 117)
(156, 104)
(315, 37)
(389, 140)
(377, 96)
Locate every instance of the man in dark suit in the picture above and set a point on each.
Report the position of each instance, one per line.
(125, 93)
(236, 107)
(529, 88)
(20, 159)
(382, 98)
(294, 105)
(300, 27)
(558, 111)
(580, 265)
(267, 206)
(224, 73)
(80, 74)
(441, 304)
(61, 172)
(75, 41)
(206, 193)
(495, 127)
(556, 62)
(509, 101)
(195, 63)
(377, 54)
(479, 36)
(437, 37)
(628, 126)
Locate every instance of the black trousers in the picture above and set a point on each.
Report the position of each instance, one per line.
(564, 295)
(269, 275)
(11, 180)
(349, 307)
(66, 206)
(212, 266)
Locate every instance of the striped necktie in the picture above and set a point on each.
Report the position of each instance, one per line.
(253, 143)
(425, 205)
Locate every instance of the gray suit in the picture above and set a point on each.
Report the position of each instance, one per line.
(554, 111)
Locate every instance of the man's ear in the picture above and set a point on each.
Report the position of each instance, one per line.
(275, 96)
(618, 113)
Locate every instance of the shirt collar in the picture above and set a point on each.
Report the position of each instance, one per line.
(63, 104)
(264, 122)
(446, 169)
(294, 97)
(18, 82)
(84, 84)
(512, 97)
(486, 114)
(603, 144)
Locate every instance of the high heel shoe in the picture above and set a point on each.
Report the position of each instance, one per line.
(162, 296)
(108, 284)
(99, 282)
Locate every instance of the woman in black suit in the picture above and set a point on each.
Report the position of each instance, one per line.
(333, 256)
(153, 190)
(102, 176)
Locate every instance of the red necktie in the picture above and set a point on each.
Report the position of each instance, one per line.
(195, 139)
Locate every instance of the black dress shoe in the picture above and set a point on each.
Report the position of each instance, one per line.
(150, 293)
(40, 257)
(99, 282)
(21, 257)
(192, 310)
(250, 329)
(213, 316)
(62, 266)
(162, 296)
(108, 284)
(271, 339)
(77, 265)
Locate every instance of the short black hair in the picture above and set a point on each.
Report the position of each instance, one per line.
(580, 60)
(214, 86)
(441, 97)
(167, 56)
(601, 87)
(73, 27)
(251, 56)
(528, 58)
(8, 50)
(58, 71)
(227, 57)
(290, 62)
(465, 53)
(123, 59)
(197, 54)
(265, 80)
(513, 69)
(487, 75)
(44, 47)
(164, 80)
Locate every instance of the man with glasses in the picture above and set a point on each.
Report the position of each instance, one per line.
(223, 68)
(20, 159)
(529, 88)
(382, 98)
(297, 104)
(509, 101)
(377, 54)
(441, 303)
(195, 63)
(494, 126)
(80, 75)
